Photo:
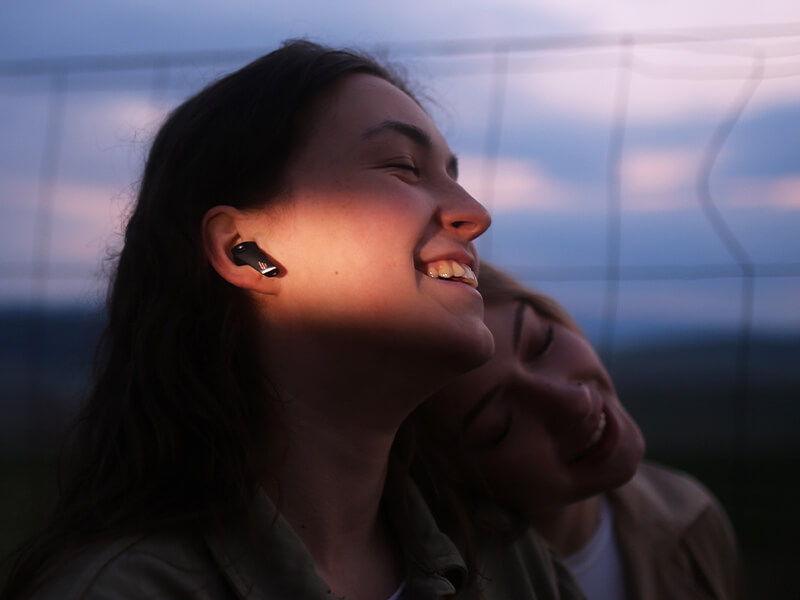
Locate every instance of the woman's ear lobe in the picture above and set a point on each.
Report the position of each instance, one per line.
(221, 234)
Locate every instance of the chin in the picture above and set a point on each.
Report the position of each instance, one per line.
(618, 470)
(441, 355)
(476, 349)
(627, 462)
(636, 445)
(624, 462)
(623, 475)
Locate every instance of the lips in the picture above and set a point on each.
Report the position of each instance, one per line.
(598, 433)
(601, 443)
(594, 436)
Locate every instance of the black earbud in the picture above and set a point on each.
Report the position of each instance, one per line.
(248, 253)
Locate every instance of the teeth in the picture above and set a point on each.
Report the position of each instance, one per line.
(598, 433)
(453, 270)
(469, 276)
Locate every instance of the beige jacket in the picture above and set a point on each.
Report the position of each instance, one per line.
(675, 539)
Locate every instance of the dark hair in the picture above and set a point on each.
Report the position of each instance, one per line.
(169, 434)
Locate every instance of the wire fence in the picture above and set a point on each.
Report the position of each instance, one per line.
(745, 60)
(750, 56)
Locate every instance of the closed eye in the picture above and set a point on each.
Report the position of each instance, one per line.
(538, 346)
(405, 167)
(493, 439)
(488, 423)
(548, 340)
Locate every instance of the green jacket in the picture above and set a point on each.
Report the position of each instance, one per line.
(528, 568)
(263, 559)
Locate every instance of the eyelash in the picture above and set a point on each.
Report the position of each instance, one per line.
(548, 340)
(549, 336)
(406, 167)
(492, 443)
(503, 434)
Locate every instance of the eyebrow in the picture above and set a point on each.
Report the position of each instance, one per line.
(412, 132)
(519, 317)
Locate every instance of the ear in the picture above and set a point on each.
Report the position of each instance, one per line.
(223, 228)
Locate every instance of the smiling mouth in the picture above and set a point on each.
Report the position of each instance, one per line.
(452, 270)
(597, 435)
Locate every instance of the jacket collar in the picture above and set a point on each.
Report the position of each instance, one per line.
(263, 558)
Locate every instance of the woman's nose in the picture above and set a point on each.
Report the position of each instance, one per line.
(463, 215)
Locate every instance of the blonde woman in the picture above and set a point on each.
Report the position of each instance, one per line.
(539, 432)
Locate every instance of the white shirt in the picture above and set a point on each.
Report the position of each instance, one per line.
(597, 566)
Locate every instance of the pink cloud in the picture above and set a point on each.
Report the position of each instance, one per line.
(518, 184)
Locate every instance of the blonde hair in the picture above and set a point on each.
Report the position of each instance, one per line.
(498, 287)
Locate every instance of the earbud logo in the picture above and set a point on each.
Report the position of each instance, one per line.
(247, 253)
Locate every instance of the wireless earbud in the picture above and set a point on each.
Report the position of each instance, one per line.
(248, 253)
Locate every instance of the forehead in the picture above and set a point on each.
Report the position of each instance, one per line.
(502, 319)
(359, 102)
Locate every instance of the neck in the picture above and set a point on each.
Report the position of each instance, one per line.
(327, 481)
(327, 476)
(569, 528)
(328, 449)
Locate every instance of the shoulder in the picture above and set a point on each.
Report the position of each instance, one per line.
(527, 568)
(668, 523)
(162, 566)
(661, 493)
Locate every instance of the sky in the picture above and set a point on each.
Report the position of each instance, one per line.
(534, 129)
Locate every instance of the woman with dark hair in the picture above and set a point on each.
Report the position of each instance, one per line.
(296, 277)
(537, 438)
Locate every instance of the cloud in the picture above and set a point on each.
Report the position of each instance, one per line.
(555, 138)
(786, 193)
(82, 225)
(518, 184)
(144, 25)
(652, 180)
(658, 179)
(634, 14)
(782, 193)
(657, 170)
(84, 218)
(765, 144)
(664, 84)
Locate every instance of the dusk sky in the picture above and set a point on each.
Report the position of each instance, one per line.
(533, 128)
